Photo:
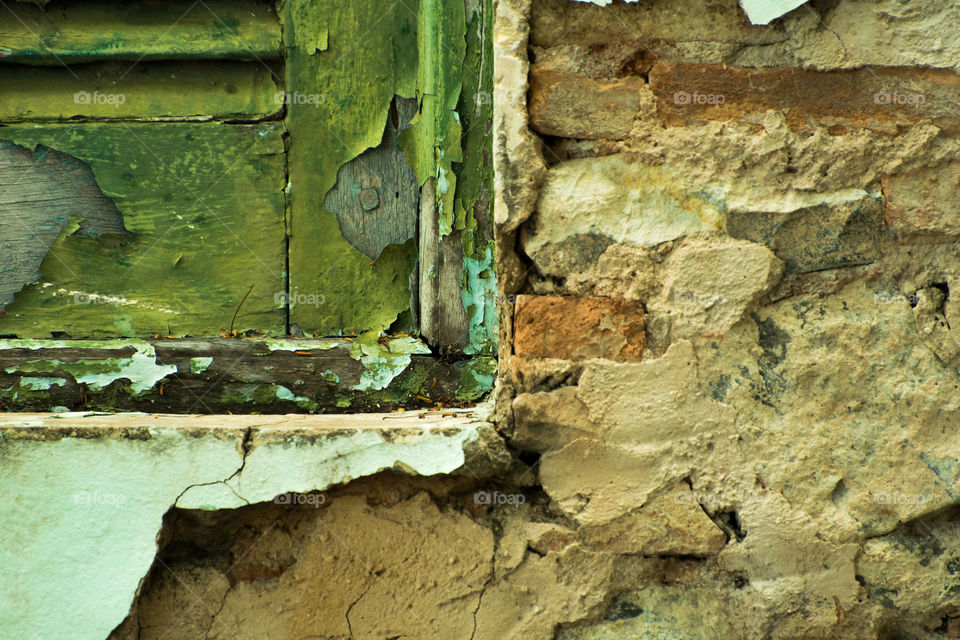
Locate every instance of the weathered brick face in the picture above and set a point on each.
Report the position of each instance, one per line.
(578, 328)
(878, 98)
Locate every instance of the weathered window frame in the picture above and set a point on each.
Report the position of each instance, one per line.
(454, 301)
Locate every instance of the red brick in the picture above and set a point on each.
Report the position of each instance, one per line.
(924, 202)
(877, 98)
(578, 328)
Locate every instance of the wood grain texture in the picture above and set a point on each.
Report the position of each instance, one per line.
(241, 376)
(376, 195)
(204, 207)
(80, 31)
(190, 90)
(443, 321)
(39, 193)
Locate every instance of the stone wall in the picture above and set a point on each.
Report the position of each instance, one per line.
(727, 252)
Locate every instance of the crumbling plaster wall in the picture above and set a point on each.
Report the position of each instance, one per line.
(776, 207)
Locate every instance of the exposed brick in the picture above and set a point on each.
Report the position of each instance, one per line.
(877, 98)
(578, 328)
(573, 106)
(924, 202)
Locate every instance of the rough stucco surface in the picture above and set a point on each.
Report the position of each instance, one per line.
(797, 269)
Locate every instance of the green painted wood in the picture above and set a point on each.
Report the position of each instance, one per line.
(198, 90)
(432, 143)
(71, 32)
(473, 206)
(220, 375)
(357, 55)
(204, 208)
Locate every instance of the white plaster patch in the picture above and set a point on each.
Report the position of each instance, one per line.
(766, 11)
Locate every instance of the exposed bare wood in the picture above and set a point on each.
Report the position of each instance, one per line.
(376, 194)
(39, 192)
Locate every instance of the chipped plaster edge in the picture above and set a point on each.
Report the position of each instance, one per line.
(101, 507)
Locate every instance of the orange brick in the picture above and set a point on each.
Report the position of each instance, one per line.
(578, 328)
(877, 98)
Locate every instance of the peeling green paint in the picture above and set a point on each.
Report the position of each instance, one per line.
(283, 393)
(39, 383)
(473, 203)
(382, 363)
(275, 344)
(199, 365)
(432, 143)
(141, 369)
(478, 296)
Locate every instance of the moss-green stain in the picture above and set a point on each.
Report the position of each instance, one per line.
(204, 208)
(476, 378)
